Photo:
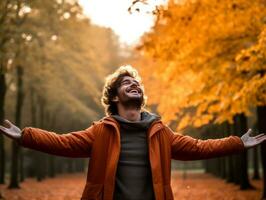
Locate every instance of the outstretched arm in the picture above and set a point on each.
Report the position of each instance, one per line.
(74, 144)
(188, 148)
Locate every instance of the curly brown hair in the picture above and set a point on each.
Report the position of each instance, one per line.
(112, 84)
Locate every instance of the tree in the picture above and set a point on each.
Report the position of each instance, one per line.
(200, 77)
(62, 73)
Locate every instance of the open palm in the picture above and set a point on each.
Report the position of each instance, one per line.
(10, 130)
(252, 141)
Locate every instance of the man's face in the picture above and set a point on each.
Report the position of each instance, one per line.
(130, 93)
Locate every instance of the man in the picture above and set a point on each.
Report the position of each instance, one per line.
(130, 149)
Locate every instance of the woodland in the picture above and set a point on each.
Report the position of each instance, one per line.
(202, 64)
(53, 65)
(203, 67)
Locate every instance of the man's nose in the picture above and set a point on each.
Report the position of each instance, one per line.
(134, 84)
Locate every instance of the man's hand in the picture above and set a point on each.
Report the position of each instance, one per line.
(252, 141)
(11, 131)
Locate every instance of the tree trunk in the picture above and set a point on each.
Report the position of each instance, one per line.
(35, 154)
(261, 110)
(2, 116)
(33, 108)
(14, 166)
(244, 180)
(229, 167)
(230, 170)
(20, 100)
(51, 166)
(38, 166)
(256, 174)
(15, 147)
(51, 158)
(222, 159)
(237, 157)
(41, 157)
(206, 163)
(21, 164)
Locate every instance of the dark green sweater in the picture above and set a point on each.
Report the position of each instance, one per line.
(133, 175)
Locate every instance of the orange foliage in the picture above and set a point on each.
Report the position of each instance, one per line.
(209, 57)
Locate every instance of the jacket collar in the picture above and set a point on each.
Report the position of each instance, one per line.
(155, 126)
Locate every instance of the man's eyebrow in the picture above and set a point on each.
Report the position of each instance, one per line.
(130, 80)
(136, 81)
(124, 80)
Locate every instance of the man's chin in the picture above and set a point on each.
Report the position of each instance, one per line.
(133, 102)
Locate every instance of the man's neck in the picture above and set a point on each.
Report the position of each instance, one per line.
(130, 114)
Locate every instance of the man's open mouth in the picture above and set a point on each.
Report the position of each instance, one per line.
(134, 91)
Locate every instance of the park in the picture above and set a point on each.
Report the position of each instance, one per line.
(194, 69)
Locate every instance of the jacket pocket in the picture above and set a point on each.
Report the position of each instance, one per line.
(168, 193)
(92, 192)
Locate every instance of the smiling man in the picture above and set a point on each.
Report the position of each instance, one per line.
(130, 149)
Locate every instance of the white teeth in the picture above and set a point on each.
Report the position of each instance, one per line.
(133, 91)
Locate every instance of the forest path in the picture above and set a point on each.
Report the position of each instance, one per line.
(70, 186)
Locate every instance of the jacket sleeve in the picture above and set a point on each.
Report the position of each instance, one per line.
(188, 148)
(74, 144)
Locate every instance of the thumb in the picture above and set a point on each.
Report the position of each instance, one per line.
(7, 123)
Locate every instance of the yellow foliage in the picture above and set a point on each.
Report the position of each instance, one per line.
(210, 57)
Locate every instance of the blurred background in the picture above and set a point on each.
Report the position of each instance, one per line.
(202, 63)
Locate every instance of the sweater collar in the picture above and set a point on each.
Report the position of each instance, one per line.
(144, 124)
(155, 125)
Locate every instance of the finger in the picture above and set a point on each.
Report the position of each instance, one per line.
(260, 135)
(2, 128)
(7, 123)
(261, 139)
(249, 131)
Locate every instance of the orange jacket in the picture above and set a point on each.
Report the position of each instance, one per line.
(101, 142)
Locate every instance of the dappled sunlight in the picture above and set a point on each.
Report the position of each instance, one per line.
(202, 66)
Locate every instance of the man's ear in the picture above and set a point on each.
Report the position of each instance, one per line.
(115, 99)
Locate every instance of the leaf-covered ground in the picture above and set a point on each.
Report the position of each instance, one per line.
(207, 187)
(70, 186)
